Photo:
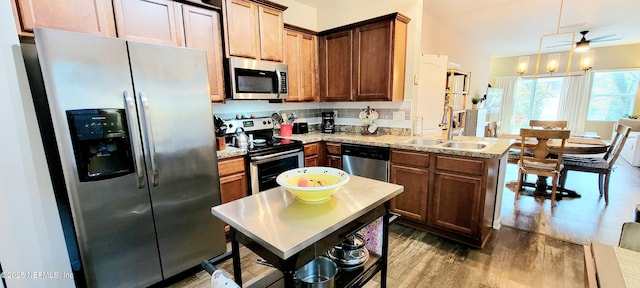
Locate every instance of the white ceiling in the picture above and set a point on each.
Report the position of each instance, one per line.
(514, 27)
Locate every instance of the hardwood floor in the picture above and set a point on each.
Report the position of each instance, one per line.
(580, 220)
(511, 258)
(532, 254)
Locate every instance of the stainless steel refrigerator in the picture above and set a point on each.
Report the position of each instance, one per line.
(128, 133)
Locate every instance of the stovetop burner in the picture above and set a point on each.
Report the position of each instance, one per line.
(273, 145)
(264, 142)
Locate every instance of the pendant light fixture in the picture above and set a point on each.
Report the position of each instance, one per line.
(554, 60)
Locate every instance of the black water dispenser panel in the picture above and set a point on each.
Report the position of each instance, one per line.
(101, 143)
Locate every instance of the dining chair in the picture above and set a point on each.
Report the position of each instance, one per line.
(560, 124)
(630, 236)
(539, 163)
(601, 165)
(514, 154)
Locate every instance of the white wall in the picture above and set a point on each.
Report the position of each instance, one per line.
(32, 239)
(299, 14)
(442, 39)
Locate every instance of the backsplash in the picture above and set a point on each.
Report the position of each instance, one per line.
(360, 130)
(346, 114)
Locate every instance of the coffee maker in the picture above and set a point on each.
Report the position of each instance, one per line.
(327, 122)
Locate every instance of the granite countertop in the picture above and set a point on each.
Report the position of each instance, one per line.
(285, 226)
(496, 147)
(230, 151)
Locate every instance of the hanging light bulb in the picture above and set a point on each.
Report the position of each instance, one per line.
(586, 60)
(523, 65)
(553, 62)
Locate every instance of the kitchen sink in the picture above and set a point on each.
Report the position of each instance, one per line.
(421, 141)
(466, 145)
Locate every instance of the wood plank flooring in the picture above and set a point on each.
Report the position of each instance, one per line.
(511, 258)
(541, 250)
(580, 220)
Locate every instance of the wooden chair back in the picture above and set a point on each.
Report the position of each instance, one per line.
(491, 129)
(561, 124)
(542, 150)
(539, 162)
(622, 132)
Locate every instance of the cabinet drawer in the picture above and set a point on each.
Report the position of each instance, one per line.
(333, 148)
(334, 161)
(311, 161)
(231, 166)
(467, 166)
(311, 149)
(409, 158)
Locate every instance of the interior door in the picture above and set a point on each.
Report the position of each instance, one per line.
(177, 127)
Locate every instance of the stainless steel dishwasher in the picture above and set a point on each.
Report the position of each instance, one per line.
(366, 161)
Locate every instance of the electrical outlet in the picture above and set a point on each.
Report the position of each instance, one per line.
(398, 115)
(335, 114)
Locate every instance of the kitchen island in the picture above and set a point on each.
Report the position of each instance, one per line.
(289, 233)
(453, 188)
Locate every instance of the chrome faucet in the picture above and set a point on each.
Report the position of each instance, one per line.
(448, 110)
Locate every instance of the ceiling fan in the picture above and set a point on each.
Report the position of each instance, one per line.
(583, 44)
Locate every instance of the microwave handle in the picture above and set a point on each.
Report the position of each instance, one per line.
(279, 79)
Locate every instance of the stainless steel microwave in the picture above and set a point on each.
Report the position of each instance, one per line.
(252, 79)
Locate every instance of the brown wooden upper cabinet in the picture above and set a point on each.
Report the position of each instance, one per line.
(151, 21)
(364, 61)
(173, 23)
(335, 66)
(300, 54)
(202, 31)
(85, 16)
(255, 29)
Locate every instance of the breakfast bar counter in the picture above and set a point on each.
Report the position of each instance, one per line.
(289, 233)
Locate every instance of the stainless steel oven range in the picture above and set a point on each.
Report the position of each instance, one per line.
(268, 156)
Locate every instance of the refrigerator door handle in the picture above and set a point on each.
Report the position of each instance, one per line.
(138, 160)
(149, 131)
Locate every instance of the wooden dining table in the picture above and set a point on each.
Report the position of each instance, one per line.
(574, 145)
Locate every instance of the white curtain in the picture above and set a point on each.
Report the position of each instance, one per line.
(506, 113)
(574, 101)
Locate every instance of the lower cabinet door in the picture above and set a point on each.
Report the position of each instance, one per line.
(454, 203)
(233, 187)
(334, 161)
(412, 203)
(311, 161)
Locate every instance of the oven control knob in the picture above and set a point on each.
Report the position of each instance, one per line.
(230, 126)
(264, 122)
(269, 121)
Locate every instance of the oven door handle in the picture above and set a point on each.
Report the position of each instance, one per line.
(260, 158)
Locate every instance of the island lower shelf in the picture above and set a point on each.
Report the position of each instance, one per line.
(359, 277)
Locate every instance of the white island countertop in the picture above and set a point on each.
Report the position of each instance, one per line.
(285, 226)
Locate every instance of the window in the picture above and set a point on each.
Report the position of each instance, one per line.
(536, 99)
(613, 94)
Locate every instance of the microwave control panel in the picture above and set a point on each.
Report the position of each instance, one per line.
(283, 82)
